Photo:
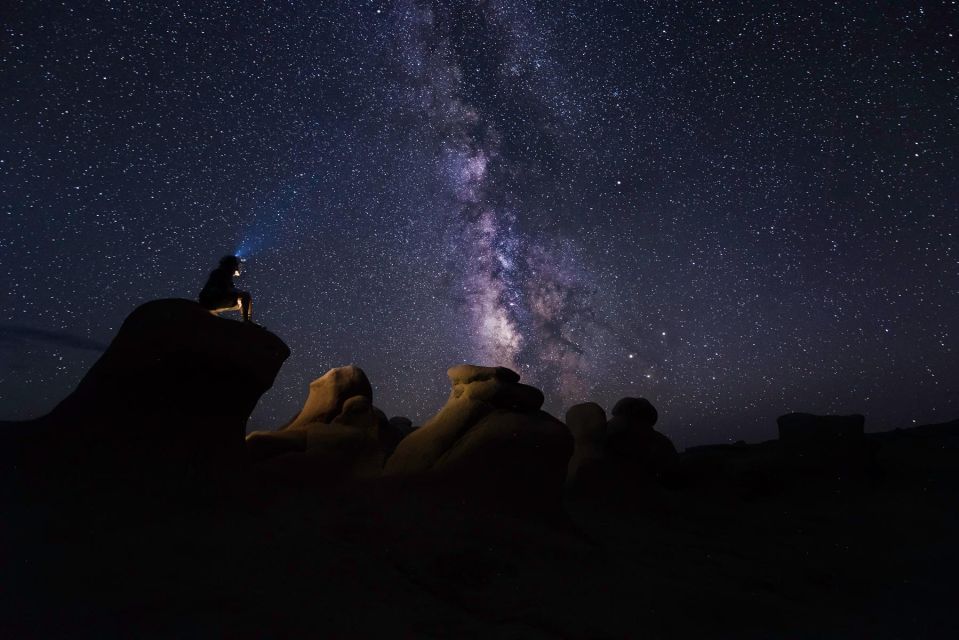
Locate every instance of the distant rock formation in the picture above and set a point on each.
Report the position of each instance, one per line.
(836, 443)
(337, 435)
(806, 429)
(170, 395)
(490, 439)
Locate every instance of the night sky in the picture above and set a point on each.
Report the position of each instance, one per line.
(734, 209)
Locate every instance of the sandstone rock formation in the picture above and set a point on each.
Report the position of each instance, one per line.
(632, 445)
(170, 395)
(402, 425)
(638, 412)
(397, 428)
(612, 458)
(490, 439)
(587, 423)
(329, 393)
(337, 435)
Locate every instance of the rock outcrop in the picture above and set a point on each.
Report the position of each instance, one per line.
(170, 395)
(397, 428)
(633, 447)
(614, 458)
(328, 394)
(587, 423)
(834, 443)
(806, 429)
(401, 425)
(337, 435)
(636, 412)
(491, 440)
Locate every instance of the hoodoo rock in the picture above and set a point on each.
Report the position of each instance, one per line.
(638, 412)
(171, 394)
(490, 439)
(337, 435)
(397, 428)
(633, 448)
(329, 393)
(587, 423)
(401, 425)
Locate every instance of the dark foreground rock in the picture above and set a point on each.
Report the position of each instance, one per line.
(615, 459)
(587, 423)
(491, 440)
(636, 450)
(427, 551)
(169, 397)
(834, 443)
(386, 559)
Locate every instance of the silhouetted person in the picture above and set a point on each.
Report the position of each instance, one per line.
(220, 295)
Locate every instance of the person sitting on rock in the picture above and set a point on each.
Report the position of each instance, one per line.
(220, 295)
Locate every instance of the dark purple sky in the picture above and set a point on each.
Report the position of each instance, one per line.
(733, 209)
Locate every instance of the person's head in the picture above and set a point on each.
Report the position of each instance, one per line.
(231, 263)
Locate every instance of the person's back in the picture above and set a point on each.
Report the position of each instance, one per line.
(220, 281)
(219, 294)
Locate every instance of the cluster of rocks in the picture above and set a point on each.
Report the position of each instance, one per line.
(491, 438)
(173, 391)
(622, 452)
(176, 386)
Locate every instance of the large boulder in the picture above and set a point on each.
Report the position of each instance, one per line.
(587, 423)
(633, 448)
(490, 440)
(402, 426)
(338, 435)
(171, 395)
(397, 428)
(329, 393)
(638, 412)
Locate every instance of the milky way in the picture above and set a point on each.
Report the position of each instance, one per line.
(522, 301)
(735, 209)
(481, 237)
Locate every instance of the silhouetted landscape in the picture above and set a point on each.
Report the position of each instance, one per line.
(139, 507)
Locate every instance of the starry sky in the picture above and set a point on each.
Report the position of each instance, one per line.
(735, 209)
